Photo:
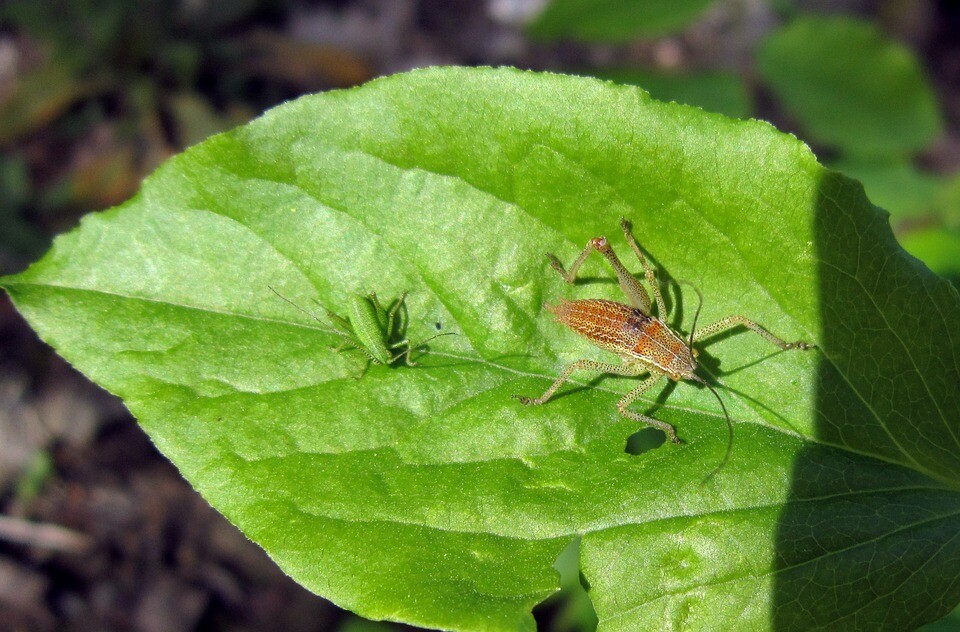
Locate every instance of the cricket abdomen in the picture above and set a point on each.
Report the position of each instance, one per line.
(624, 330)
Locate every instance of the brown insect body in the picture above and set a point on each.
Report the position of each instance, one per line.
(628, 332)
(644, 342)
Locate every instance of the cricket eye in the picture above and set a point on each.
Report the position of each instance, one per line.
(676, 377)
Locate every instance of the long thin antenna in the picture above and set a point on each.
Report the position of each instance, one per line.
(726, 457)
(446, 333)
(696, 315)
(696, 378)
(296, 306)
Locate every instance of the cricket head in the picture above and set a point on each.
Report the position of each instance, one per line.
(684, 365)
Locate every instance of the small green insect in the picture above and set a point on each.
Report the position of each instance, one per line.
(371, 328)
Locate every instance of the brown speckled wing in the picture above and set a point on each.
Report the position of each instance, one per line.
(609, 325)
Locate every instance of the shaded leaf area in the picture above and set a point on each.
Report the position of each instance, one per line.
(884, 373)
(923, 209)
(850, 86)
(612, 21)
(886, 335)
(427, 494)
(896, 186)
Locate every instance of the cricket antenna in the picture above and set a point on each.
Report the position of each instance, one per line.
(726, 456)
(697, 378)
(696, 315)
(295, 305)
(446, 333)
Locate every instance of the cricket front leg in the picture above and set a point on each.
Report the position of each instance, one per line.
(411, 347)
(581, 365)
(735, 321)
(635, 394)
(403, 354)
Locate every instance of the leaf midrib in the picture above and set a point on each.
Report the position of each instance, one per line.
(614, 525)
(912, 463)
(484, 362)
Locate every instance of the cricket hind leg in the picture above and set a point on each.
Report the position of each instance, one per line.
(628, 283)
(730, 322)
(349, 341)
(629, 370)
(341, 327)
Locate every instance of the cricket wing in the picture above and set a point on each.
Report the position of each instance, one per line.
(609, 325)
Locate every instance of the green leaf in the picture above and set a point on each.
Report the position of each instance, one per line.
(896, 185)
(426, 494)
(850, 86)
(936, 246)
(948, 202)
(613, 20)
(574, 610)
(950, 623)
(715, 92)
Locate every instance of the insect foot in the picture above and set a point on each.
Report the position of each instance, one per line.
(646, 345)
(372, 329)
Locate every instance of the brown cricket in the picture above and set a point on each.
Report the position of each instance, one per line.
(645, 343)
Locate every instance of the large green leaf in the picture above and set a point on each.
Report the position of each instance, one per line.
(426, 494)
(614, 20)
(850, 86)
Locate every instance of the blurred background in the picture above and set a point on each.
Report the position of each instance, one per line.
(97, 530)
